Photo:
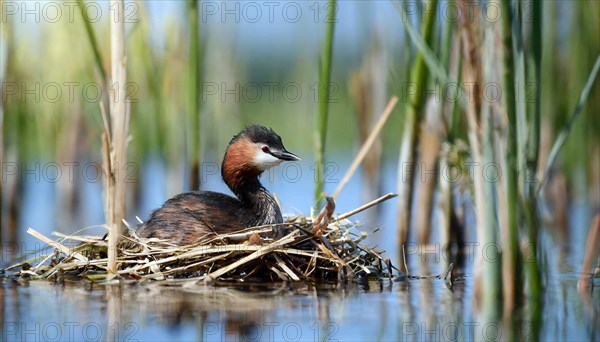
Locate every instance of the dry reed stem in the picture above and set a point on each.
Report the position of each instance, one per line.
(472, 74)
(260, 252)
(322, 220)
(429, 151)
(286, 268)
(56, 245)
(365, 206)
(360, 156)
(118, 134)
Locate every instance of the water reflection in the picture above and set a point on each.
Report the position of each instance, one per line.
(257, 312)
(423, 309)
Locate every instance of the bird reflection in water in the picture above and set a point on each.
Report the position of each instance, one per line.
(235, 311)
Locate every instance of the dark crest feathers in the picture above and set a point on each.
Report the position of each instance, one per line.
(260, 134)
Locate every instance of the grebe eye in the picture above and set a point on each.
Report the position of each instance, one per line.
(265, 149)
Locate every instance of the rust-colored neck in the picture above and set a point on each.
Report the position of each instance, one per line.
(237, 170)
(241, 176)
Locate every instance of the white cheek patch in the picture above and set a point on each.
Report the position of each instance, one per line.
(263, 160)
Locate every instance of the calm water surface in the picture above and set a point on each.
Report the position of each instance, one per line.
(391, 311)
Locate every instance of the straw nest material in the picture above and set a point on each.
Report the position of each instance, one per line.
(318, 249)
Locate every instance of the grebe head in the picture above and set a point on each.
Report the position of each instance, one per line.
(252, 151)
(268, 149)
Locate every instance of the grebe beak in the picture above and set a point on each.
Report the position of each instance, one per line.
(285, 155)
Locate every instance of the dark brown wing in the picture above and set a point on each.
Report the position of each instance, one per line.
(189, 216)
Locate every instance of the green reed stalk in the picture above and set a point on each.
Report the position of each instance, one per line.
(535, 119)
(562, 137)
(4, 34)
(152, 122)
(492, 277)
(533, 270)
(512, 177)
(92, 39)
(454, 120)
(452, 116)
(520, 99)
(450, 59)
(324, 99)
(414, 106)
(193, 94)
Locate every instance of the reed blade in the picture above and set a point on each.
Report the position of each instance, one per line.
(562, 138)
(414, 104)
(194, 95)
(324, 100)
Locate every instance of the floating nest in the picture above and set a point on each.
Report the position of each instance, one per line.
(321, 249)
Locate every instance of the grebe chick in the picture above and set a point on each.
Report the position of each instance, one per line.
(190, 216)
